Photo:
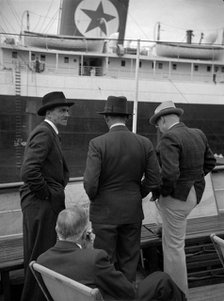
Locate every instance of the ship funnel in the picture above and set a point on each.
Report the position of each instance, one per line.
(189, 36)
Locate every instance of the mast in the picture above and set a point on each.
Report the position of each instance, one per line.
(27, 22)
(135, 107)
(59, 17)
(158, 32)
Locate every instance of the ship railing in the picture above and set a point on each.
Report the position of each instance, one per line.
(218, 168)
(144, 73)
(18, 184)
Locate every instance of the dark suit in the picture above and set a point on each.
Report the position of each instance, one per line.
(116, 163)
(45, 175)
(93, 268)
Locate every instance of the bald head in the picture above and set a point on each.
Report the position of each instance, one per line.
(72, 222)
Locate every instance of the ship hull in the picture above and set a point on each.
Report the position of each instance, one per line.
(18, 118)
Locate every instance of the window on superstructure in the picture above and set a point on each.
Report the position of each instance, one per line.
(14, 54)
(195, 67)
(209, 68)
(33, 56)
(66, 59)
(140, 64)
(222, 69)
(123, 63)
(216, 68)
(174, 66)
(160, 66)
(43, 57)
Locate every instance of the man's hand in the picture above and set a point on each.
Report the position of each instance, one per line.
(88, 239)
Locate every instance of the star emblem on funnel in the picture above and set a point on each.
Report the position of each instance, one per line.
(98, 18)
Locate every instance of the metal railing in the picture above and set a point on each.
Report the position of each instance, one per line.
(18, 184)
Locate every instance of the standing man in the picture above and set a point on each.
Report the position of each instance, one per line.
(45, 175)
(121, 169)
(185, 158)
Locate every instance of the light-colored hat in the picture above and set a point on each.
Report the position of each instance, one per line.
(165, 108)
(52, 100)
(116, 105)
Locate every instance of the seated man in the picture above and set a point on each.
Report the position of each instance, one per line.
(72, 257)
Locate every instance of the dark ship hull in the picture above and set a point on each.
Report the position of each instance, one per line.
(18, 118)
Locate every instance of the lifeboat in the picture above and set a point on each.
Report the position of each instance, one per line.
(188, 51)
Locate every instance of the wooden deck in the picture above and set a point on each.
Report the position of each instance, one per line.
(213, 292)
(197, 228)
(203, 264)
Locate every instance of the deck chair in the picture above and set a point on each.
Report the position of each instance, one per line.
(219, 246)
(57, 287)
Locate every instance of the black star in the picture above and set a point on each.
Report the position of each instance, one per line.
(97, 18)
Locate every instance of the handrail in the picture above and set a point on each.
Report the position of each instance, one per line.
(218, 167)
(72, 180)
(18, 184)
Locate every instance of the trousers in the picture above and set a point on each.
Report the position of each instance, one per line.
(122, 244)
(174, 214)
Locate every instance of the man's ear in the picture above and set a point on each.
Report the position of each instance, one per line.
(83, 237)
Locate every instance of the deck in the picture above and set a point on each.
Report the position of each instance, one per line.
(206, 279)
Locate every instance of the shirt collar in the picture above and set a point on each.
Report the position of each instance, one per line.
(52, 125)
(78, 245)
(70, 242)
(173, 125)
(116, 124)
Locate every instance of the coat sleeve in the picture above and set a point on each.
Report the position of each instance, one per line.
(92, 171)
(209, 159)
(34, 158)
(152, 179)
(110, 281)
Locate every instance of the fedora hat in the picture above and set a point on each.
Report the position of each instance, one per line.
(116, 105)
(165, 108)
(52, 100)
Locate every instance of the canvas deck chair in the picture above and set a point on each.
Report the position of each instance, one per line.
(57, 287)
(219, 246)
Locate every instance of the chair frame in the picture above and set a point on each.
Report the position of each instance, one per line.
(38, 270)
(218, 243)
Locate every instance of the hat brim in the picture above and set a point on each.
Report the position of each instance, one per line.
(43, 109)
(155, 117)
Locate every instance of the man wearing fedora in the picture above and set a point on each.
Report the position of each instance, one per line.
(185, 158)
(45, 175)
(121, 169)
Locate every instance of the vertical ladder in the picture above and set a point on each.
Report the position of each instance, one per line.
(19, 149)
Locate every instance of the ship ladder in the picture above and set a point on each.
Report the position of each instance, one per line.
(19, 149)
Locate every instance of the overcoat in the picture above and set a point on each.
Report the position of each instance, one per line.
(44, 170)
(45, 175)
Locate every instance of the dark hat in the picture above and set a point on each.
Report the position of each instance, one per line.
(52, 100)
(165, 108)
(116, 105)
